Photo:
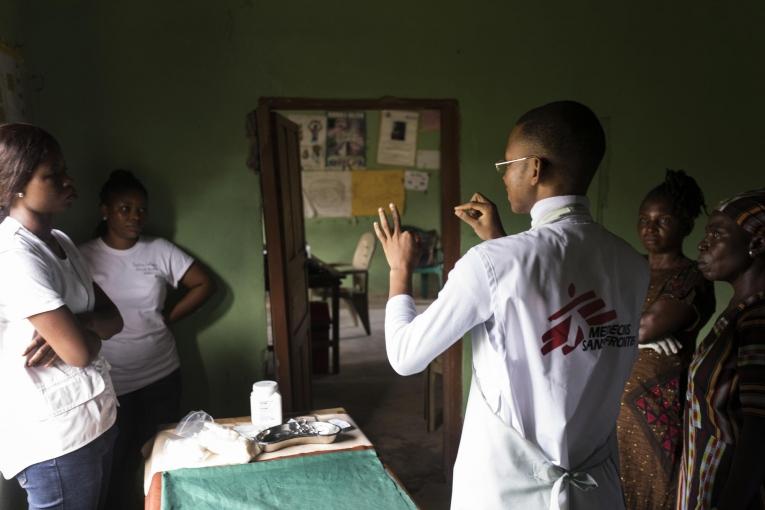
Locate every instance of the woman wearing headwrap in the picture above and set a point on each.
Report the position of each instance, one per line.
(724, 431)
(679, 303)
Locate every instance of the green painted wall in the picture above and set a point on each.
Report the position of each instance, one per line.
(143, 86)
(163, 87)
(9, 22)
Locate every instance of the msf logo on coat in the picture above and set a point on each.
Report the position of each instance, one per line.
(582, 320)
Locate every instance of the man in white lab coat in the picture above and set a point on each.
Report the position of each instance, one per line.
(553, 314)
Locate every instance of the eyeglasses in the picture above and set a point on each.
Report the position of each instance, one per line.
(502, 165)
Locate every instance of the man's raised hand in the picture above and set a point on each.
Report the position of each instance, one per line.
(481, 214)
(402, 249)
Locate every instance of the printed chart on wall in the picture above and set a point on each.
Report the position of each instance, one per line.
(398, 138)
(346, 140)
(313, 140)
(327, 194)
(11, 92)
(377, 188)
(416, 181)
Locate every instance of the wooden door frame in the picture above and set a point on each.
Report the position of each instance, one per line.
(450, 227)
(262, 132)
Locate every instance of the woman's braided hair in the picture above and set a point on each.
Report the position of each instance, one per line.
(684, 195)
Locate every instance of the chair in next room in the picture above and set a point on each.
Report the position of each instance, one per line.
(431, 258)
(357, 295)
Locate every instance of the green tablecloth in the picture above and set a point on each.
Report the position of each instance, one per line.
(332, 481)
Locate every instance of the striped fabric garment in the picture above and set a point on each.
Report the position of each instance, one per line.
(747, 210)
(726, 380)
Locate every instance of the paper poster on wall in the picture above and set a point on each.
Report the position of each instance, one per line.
(11, 91)
(430, 120)
(429, 159)
(346, 140)
(398, 137)
(416, 181)
(313, 140)
(327, 194)
(377, 188)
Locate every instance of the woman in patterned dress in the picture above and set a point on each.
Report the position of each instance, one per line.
(723, 464)
(678, 304)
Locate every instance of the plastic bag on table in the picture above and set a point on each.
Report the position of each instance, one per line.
(182, 448)
(197, 438)
(193, 423)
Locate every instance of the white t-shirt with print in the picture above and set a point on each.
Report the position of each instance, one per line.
(46, 411)
(136, 280)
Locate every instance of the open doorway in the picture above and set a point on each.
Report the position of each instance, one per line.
(270, 129)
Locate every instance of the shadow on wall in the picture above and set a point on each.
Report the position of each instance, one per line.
(194, 370)
(162, 218)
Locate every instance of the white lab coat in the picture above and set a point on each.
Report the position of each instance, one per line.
(554, 315)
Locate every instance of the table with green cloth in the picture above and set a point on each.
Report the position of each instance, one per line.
(344, 474)
(333, 481)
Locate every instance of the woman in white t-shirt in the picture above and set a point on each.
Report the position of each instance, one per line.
(57, 401)
(135, 271)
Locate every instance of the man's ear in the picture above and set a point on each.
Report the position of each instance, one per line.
(757, 246)
(104, 211)
(535, 171)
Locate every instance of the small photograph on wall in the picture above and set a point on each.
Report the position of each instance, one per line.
(313, 140)
(346, 140)
(398, 138)
(416, 181)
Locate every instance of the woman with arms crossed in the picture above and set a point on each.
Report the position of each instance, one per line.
(135, 271)
(59, 407)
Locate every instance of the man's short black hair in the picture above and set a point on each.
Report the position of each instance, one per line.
(570, 134)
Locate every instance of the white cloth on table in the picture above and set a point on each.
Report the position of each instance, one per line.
(553, 314)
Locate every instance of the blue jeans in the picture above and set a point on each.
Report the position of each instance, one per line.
(76, 481)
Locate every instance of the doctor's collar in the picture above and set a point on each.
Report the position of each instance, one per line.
(552, 209)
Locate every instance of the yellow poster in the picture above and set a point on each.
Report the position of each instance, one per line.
(376, 188)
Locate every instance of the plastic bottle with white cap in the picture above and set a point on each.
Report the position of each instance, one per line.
(265, 404)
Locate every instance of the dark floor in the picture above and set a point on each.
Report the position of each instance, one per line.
(388, 408)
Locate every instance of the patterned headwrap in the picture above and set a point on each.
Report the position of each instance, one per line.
(747, 210)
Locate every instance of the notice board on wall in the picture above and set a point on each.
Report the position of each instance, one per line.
(337, 144)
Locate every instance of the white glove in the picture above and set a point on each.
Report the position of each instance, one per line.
(667, 345)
